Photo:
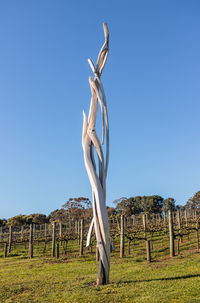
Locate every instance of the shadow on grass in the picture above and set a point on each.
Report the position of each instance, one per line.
(162, 249)
(13, 255)
(120, 283)
(161, 279)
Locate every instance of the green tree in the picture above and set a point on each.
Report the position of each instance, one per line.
(151, 204)
(178, 207)
(194, 202)
(58, 215)
(3, 222)
(139, 204)
(125, 206)
(17, 220)
(78, 208)
(36, 218)
(111, 211)
(169, 204)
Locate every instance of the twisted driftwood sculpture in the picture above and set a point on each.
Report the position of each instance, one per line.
(90, 141)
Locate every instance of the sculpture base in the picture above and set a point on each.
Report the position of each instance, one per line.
(101, 278)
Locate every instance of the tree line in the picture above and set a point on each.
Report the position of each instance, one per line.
(81, 207)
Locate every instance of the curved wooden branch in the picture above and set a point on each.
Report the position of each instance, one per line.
(90, 141)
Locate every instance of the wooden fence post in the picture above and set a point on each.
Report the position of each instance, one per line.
(133, 216)
(185, 216)
(1, 233)
(122, 237)
(60, 229)
(22, 233)
(31, 241)
(60, 232)
(45, 231)
(164, 218)
(179, 225)
(45, 246)
(166, 224)
(5, 249)
(171, 233)
(197, 231)
(57, 251)
(78, 232)
(53, 249)
(10, 239)
(178, 245)
(82, 236)
(159, 218)
(34, 230)
(129, 247)
(186, 223)
(144, 219)
(152, 240)
(148, 249)
(65, 246)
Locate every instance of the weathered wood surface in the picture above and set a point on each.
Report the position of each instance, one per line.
(122, 237)
(53, 251)
(171, 233)
(31, 241)
(97, 177)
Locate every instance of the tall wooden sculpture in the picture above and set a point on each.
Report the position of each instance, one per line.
(97, 175)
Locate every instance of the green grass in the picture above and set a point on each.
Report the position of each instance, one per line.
(72, 279)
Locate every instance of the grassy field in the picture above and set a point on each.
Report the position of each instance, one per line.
(72, 278)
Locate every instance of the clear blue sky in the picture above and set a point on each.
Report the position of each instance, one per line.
(152, 83)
